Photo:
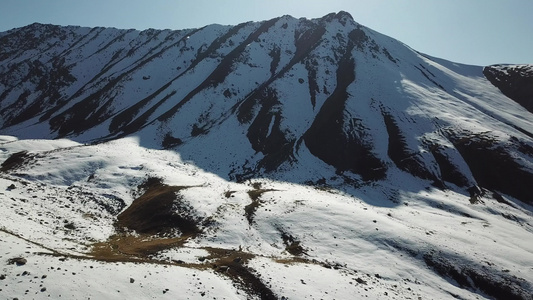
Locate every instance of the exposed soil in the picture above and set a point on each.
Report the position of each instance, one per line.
(292, 245)
(255, 194)
(159, 210)
(233, 265)
(122, 246)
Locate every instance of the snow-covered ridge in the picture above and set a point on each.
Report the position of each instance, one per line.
(261, 158)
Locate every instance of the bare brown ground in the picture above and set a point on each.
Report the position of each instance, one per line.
(137, 246)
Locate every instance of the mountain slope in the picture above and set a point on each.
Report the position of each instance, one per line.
(324, 85)
(245, 137)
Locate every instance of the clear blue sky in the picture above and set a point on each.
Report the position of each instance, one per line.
(479, 32)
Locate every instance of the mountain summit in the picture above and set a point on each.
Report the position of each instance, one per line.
(323, 103)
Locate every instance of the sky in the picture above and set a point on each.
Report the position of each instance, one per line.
(478, 32)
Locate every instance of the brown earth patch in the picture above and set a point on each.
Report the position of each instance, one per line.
(160, 210)
(250, 209)
(123, 246)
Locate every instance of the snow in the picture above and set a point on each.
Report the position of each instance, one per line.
(347, 235)
(49, 277)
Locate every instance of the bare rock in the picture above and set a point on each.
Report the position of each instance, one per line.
(19, 261)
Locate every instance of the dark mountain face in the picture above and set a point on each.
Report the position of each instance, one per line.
(267, 97)
(515, 81)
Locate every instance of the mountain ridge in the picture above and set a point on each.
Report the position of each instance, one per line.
(331, 56)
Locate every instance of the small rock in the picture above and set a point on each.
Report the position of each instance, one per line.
(132, 280)
(361, 281)
(43, 289)
(43, 277)
(19, 261)
(2, 277)
(70, 226)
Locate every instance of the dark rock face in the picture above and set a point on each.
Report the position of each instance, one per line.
(493, 165)
(494, 283)
(15, 160)
(326, 138)
(515, 81)
(399, 152)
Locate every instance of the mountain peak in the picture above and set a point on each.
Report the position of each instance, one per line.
(342, 16)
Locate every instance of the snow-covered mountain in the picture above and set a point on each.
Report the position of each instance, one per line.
(287, 158)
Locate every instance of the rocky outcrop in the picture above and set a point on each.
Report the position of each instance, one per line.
(515, 81)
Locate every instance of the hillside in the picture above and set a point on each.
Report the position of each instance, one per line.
(289, 158)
